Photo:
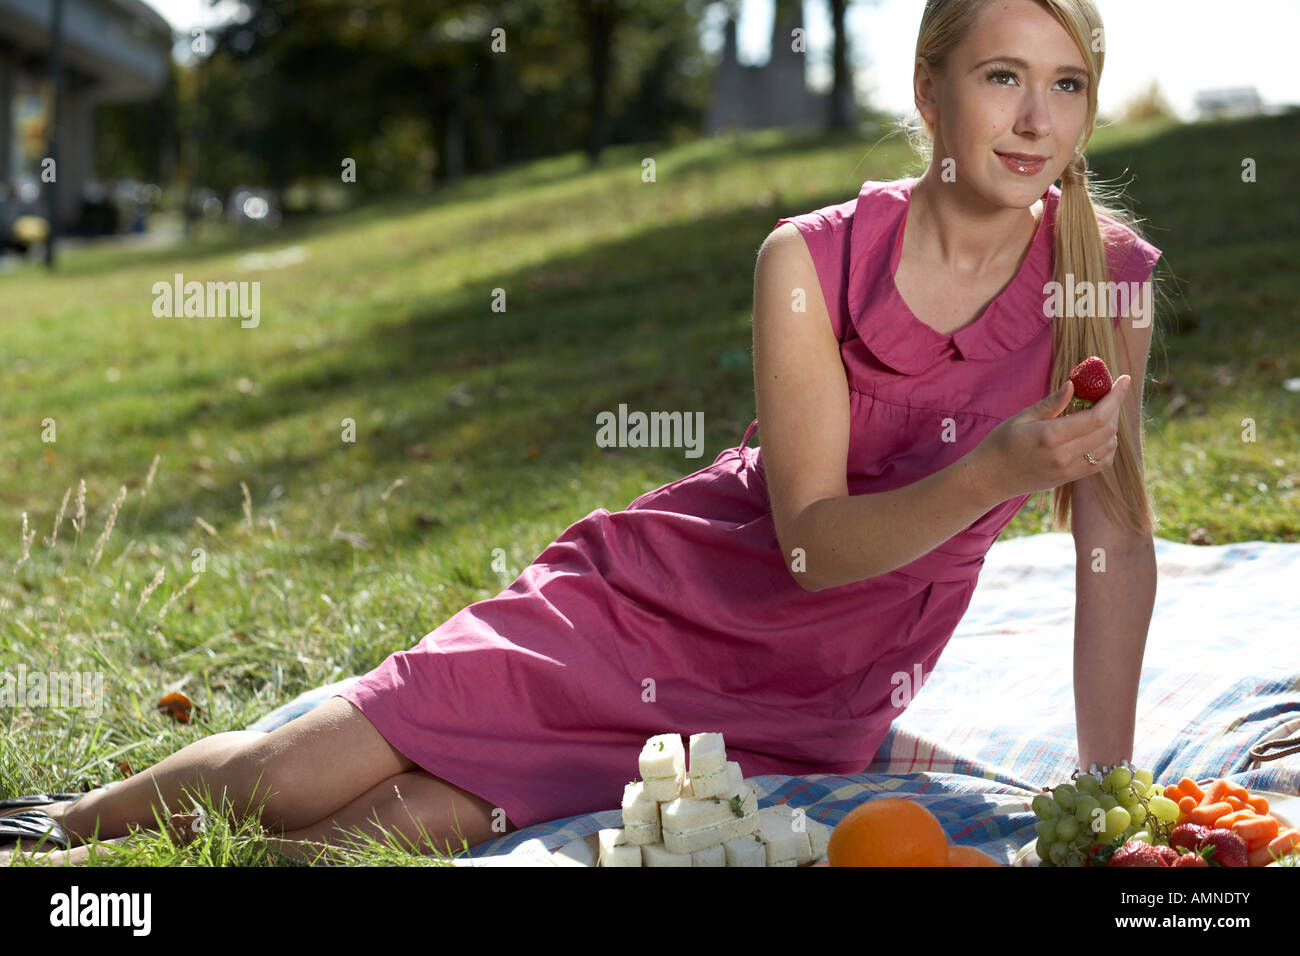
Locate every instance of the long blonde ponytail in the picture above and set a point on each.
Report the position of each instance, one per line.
(1079, 249)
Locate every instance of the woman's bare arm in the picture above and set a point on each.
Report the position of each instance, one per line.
(803, 411)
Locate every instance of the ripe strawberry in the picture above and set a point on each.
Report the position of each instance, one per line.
(1189, 859)
(1229, 849)
(1099, 854)
(1136, 853)
(1167, 853)
(1091, 381)
(1187, 836)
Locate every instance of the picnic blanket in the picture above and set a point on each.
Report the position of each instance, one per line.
(995, 719)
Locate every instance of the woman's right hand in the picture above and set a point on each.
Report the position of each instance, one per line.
(1036, 451)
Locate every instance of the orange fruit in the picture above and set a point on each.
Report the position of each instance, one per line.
(969, 856)
(888, 831)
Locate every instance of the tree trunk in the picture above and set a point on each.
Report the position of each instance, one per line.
(841, 100)
(598, 17)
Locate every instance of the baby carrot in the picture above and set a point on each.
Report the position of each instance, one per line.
(1186, 805)
(1259, 856)
(1259, 803)
(1207, 813)
(1286, 840)
(1258, 842)
(1188, 786)
(1238, 791)
(1254, 828)
(1234, 802)
(1226, 821)
(1214, 793)
(1174, 793)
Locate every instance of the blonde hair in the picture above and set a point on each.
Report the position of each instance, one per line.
(1078, 245)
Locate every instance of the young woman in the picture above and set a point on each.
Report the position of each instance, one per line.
(903, 345)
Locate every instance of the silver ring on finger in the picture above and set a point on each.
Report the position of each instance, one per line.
(1091, 460)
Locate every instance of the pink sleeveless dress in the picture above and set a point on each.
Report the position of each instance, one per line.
(678, 614)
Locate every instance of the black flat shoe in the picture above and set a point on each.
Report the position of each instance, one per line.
(32, 827)
(36, 800)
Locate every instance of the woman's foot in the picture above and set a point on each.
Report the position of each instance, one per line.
(58, 812)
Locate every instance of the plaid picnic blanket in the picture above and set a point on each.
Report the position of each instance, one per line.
(995, 719)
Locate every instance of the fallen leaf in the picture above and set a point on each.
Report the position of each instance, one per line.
(176, 704)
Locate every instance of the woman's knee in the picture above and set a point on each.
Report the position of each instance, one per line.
(315, 764)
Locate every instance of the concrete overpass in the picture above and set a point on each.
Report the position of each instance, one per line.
(113, 51)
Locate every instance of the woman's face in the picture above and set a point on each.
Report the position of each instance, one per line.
(1015, 87)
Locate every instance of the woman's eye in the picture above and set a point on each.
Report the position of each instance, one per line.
(997, 76)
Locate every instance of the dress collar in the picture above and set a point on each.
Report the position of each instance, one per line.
(887, 326)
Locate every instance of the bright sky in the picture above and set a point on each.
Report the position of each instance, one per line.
(1188, 45)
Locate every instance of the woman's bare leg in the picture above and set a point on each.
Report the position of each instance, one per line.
(308, 768)
(416, 806)
(403, 805)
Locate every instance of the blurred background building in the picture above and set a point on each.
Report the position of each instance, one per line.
(774, 94)
(113, 51)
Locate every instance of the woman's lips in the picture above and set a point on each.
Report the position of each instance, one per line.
(1022, 165)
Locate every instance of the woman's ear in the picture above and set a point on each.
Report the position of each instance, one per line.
(923, 87)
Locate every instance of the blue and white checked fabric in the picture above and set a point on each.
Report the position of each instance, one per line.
(995, 719)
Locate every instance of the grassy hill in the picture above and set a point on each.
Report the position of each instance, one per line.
(474, 428)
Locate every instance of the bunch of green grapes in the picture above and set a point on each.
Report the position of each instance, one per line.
(1075, 818)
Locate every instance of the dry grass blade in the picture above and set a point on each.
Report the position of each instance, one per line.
(26, 543)
(248, 506)
(188, 584)
(58, 518)
(153, 469)
(108, 527)
(153, 585)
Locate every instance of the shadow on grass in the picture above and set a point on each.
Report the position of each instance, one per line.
(658, 322)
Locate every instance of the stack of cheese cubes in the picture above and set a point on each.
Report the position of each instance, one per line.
(707, 818)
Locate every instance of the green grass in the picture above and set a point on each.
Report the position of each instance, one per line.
(617, 290)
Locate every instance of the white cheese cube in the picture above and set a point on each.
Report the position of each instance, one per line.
(723, 783)
(615, 851)
(642, 833)
(708, 754)
(662, 756)
(661, 789)
(782, 841)
(747, 850)
(710, 856)
(638, 805)
(799, 825)
(691, 824)
(656, 854)
(691, 813)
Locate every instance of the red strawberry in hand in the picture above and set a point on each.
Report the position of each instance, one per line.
(1091, 381)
